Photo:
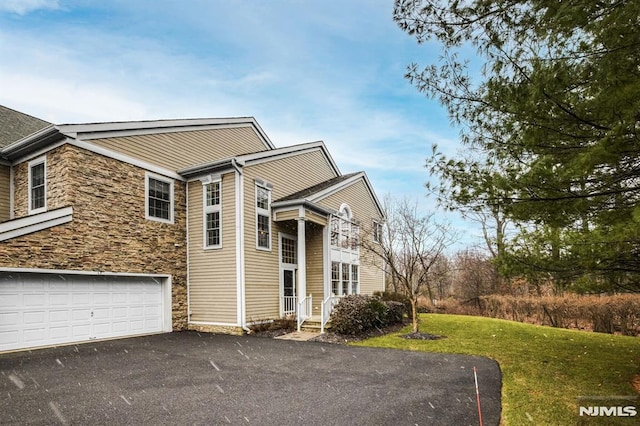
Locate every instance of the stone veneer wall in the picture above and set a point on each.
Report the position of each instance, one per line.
(57, 178)
(109, 231)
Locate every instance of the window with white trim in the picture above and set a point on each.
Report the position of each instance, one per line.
(263, 216)
(355, 279)
(288, 251)
(377, 232)
(37, 185)
(346, 275)
(345, 253)
(345, 279)
(212, 196)
(159, 198)
(345, 232)
(335, 278)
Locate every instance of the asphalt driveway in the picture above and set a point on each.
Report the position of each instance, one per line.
(191, 378)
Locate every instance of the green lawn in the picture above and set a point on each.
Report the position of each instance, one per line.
(544, 369)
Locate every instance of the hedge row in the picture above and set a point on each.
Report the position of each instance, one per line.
(605, 314)
(355, 314)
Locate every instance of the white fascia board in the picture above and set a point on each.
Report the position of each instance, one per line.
(124, 158)
(373, 195)
(148, 125)
(27, 225)
(339, 186)
(261, 134)
(133, 128)
(77, 272)
(261, 155)
(149, 131)
(335, 188)
(275, 154)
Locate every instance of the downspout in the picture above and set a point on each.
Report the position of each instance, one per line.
(240, 270)
(12, 189)
(186, 198)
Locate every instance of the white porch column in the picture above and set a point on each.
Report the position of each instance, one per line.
(302, 261)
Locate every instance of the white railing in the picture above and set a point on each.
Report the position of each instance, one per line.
(288, 304)
(327, 308)
(304, 310)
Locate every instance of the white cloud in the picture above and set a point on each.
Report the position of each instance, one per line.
(23, 7)
(61, 101)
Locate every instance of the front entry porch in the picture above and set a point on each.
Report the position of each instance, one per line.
(302, 311)
(319, 261)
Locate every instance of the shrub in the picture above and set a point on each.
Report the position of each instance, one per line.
(395, 312)
(377, 312)
(350, 316)
(355, 314)
(395, 297)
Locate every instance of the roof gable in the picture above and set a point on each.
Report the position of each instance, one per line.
(313, 191)
(274, 154)
(91, 131)
(261, 157)
(318, 192)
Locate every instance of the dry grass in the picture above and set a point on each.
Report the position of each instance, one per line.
(618, 314)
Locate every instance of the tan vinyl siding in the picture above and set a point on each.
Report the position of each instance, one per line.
(178, 150)
(5, 187)
(288, 215)
(212, 272)
(316, 218)
(287, 175)
(364, 210)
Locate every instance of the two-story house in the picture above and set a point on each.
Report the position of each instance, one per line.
(127, 228)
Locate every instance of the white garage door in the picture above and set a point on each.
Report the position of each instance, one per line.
(49, 309)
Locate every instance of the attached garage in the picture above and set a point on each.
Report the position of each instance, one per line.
(45, 309)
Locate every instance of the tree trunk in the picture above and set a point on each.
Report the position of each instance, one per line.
(414, 313)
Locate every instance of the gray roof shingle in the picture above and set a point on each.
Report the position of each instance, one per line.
(308, 192)
(15, 125)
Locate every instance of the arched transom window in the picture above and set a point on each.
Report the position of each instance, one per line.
(345, 247)
(345, 232)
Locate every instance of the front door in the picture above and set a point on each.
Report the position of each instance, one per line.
(289, 269)
(289, 291)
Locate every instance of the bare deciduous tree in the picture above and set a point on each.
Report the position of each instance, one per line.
(410, 247)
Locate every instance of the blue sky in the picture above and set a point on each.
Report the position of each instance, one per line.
(307, 71)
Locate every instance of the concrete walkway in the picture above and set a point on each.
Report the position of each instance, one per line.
(300, 336)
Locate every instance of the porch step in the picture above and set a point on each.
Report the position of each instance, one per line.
(314, 325)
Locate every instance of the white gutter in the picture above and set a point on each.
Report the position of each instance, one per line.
(24, 143)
